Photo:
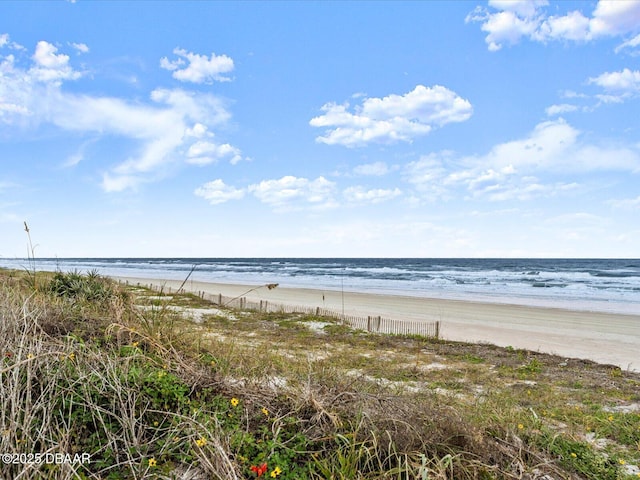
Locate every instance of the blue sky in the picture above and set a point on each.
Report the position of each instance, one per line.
(214, 129)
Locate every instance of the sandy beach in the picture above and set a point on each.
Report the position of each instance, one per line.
(602, 337)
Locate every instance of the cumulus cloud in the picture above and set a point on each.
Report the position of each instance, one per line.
(50, 66)
(195, 68)
(216, 192)
(555, 110)
(513, 21)
(173, 126)
(204, 153)
(291, 192)
(507, 22)
(391, 119)
(520, 169)
(625, 81)
(612, 17)
(296, 193)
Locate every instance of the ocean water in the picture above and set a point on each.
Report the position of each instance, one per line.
(607, 285)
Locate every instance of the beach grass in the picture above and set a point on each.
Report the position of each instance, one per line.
(153, 385)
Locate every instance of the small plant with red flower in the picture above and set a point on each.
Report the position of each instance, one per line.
(259, 470)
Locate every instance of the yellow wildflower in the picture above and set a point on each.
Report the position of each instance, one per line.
(72, 356)
(573, 455)
(276, 471)
(201, 442)
(622, 461)
(610, 418)
(265, 412)
(152, 462)
(235, 402)
(135, 344)
(520, 426)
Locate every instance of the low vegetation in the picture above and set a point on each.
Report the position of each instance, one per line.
(107, 381)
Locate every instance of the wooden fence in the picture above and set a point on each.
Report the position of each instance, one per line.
(369, 323)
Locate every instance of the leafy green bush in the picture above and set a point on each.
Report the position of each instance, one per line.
(78, 287)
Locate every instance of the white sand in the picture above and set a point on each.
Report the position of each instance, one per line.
(603, 337)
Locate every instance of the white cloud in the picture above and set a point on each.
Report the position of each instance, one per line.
(359, 195)
(376, 169)
(572, 94)
(120, 182)
(198, 131)
(525, 8)
(5, 42)
(514, 20)
(80, 47)
(509, 22)
(512, 170)
(216, 192)
(296, 193)
(204, 153)
(555, 146)
(613, 17)
(392, 118)
(573, 26)
(291, 192)
(602, 98)
(166, 129)
(50, 66)
(511, 187)
(625, 81)
(630, 44)
(200, 68)
(80, 154)
(555, 110)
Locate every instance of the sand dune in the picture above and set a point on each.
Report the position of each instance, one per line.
(603, 337)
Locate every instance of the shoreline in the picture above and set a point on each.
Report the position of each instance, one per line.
(609, 338)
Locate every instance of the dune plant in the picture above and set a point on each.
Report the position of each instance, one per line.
(31, 258)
